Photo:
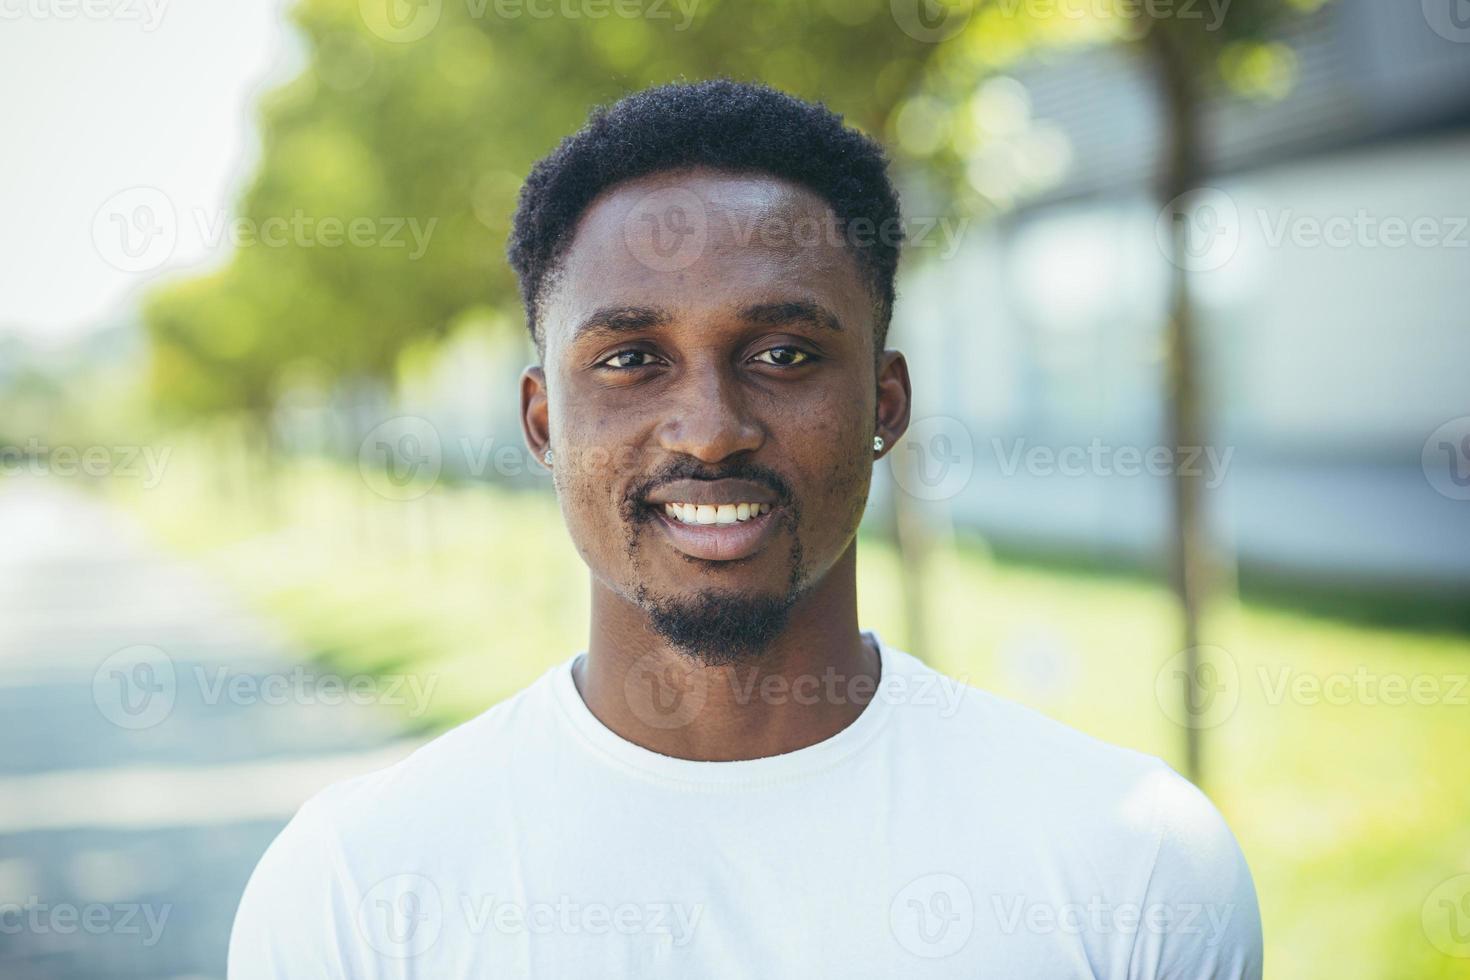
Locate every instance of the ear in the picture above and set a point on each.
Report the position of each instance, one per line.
(535, 425)
(895, 398)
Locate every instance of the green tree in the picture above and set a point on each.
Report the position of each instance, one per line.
(437, 132)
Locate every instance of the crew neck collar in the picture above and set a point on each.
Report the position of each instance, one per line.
(618, 751)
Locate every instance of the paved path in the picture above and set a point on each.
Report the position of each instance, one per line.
(156, 737)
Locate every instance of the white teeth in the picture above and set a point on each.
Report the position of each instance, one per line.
(714, 513)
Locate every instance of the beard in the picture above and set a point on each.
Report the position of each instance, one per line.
(717, 629)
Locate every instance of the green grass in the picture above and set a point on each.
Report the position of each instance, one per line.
(1350, 813)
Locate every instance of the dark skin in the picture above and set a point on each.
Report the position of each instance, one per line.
(759, 350)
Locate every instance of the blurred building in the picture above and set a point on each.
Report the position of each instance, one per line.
(1334, 343)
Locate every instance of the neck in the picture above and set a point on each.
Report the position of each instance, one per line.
(811, 682)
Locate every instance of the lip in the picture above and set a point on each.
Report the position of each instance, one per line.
(718, 542)
(711, 492)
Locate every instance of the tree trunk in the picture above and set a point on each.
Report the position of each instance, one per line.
(911, 534)
(1182, 173)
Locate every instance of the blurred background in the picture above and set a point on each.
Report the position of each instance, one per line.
(266, 520)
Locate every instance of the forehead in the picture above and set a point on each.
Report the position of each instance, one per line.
(701, 244)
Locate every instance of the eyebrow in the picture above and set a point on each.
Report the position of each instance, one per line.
(791, 311)
(628, 319)
(621, 319)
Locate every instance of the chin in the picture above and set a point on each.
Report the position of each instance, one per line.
(718, 627)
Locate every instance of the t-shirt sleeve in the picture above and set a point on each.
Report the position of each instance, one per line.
(1199, 920)
(291, 919)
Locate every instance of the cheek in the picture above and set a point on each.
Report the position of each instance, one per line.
(597, 459)
(836, 471)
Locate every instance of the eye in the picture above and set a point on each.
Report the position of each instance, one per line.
(629, 359)
(785, 356)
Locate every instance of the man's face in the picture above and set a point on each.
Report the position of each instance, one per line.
(709, 356)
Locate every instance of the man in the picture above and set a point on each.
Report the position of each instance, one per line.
(732, 779)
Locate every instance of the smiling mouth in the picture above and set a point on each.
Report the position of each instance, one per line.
(714, 513)
(716, 532)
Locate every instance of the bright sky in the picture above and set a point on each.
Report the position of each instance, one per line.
(104, 96)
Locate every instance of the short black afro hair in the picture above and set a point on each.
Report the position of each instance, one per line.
(723, 125)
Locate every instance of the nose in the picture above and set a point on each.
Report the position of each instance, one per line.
(708, 418)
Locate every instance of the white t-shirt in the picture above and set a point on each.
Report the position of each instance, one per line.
(946, 832)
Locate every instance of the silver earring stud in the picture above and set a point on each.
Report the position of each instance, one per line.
(878, 444)
(546, 457)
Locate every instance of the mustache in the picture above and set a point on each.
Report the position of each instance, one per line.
(692, 469)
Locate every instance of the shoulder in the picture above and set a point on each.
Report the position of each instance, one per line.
(1109, 818)
(975, 729)
(298, 915)
(1039, 762)
(458, 767)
